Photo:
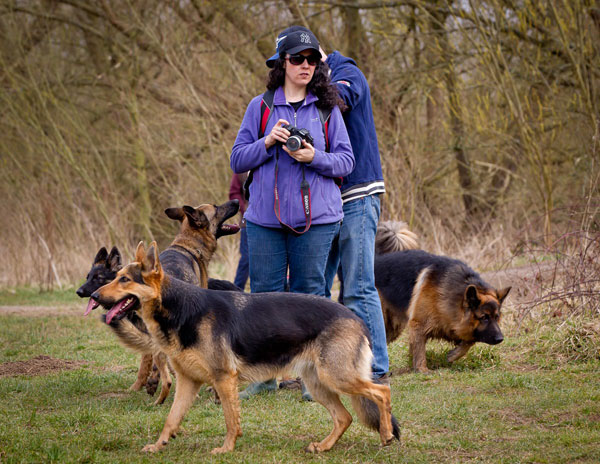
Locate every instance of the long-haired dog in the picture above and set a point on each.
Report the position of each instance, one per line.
(186, 258)
(436, 297)
(220, 337)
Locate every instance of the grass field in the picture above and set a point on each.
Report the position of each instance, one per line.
(534, 398)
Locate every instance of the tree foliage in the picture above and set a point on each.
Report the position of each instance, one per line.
(486, 111)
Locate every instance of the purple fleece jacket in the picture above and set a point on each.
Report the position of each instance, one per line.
(249, 152)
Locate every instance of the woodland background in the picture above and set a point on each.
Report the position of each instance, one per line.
(113, 110)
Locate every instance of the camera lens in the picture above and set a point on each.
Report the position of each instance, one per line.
(293, 143)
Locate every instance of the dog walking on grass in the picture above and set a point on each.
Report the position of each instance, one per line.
(435, 296)
(221, 337)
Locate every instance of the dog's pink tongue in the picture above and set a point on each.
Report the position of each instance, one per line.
(92, 304)
(114, 310)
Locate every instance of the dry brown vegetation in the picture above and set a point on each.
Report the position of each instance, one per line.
(487, 117)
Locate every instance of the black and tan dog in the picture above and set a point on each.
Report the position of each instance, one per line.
(186, 258)
(436, 297)
(220, 337)
(104, 269)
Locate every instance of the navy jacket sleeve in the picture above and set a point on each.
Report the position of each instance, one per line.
(350, 82)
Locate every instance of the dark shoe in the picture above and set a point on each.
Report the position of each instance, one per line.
(257, 388)
(290, 384)
(383, 380)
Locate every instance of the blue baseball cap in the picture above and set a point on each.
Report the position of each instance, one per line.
(293, 40)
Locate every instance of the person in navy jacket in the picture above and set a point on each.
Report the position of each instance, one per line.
(353, 251)
(287, 230)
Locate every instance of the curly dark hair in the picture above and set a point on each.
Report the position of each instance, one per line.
(320, 85)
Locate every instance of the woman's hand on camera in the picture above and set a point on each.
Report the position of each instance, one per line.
(303, 155)
(277, 134)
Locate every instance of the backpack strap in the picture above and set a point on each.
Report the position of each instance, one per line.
(266, 108)
(324, 115)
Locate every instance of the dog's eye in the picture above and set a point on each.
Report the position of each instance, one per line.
(485, 318)
(124, 279)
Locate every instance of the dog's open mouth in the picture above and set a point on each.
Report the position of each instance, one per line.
(92, 304)
(228, 229)
(120, 308)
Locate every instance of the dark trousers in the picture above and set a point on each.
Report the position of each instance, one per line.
(241, 275)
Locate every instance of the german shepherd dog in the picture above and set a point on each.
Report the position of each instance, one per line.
(187, 259)
(104, 269)
(220, 337)
(437, 297)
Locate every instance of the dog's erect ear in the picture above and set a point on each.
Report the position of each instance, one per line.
(140, 252)
(176, 214)
(151, 263)
(502, 294)
(114, 259)
(471, 297)
(101, 256)
(197, 218)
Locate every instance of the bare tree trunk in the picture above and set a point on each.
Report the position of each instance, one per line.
(356, 38)
(457, 129)
(143, 189)
(456, 119)
(432, 56)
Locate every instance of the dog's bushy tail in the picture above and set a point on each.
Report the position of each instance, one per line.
(394, 236)
(368, 413)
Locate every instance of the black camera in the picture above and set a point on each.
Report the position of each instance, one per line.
(294, 142)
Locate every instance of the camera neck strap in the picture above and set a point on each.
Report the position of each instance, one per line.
(304, 190)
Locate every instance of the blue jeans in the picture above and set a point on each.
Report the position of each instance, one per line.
(241, 275)
(353, 253)
(272, 251)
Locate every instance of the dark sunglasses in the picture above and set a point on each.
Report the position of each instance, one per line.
(297, 60)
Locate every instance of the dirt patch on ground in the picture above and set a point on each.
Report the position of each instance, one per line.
(40, 365)
(63, 310)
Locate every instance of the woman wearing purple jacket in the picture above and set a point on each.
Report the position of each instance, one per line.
(295, 207)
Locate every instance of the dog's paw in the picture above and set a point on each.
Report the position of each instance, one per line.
(387, 441)
(220, 450)
(151, 386)
(153, 448)
(137, 386)
(313, 448)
